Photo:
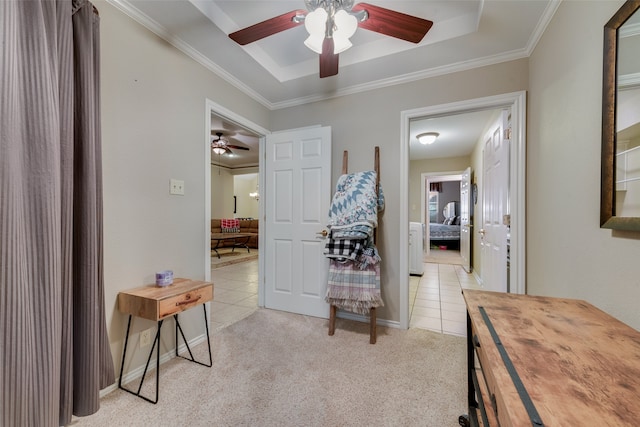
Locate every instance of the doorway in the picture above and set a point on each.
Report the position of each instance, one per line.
(516, 103)
(214, 109)
(441, 204)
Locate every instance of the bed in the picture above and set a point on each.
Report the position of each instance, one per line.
(446, 233)
(439, 232)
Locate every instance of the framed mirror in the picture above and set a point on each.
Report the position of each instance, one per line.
(620, 175)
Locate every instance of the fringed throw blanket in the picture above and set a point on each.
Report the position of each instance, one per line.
(352, 289)
(354, 270)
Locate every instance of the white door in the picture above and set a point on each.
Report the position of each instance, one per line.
(465, 219)
(298, 175)
(495, 186)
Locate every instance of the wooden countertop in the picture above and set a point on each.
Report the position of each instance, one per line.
(580, 366)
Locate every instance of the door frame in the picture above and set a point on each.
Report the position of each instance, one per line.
(214, 108)
(516, 101)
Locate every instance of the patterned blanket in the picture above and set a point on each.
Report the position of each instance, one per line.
(355, 201)
(352, 289)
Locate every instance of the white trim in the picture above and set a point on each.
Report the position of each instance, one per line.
(517, 102)
(217, 109)
(135, 14)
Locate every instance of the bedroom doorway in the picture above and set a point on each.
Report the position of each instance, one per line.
(441, 216)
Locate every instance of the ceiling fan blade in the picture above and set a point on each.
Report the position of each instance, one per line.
(237, 147)
(266, 28)
(328, 59)
(394, 24)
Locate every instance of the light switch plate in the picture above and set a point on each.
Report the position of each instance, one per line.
(176, 187)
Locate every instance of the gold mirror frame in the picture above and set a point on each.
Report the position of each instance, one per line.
(608, 218)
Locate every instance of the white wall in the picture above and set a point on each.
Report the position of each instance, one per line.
(222, 191)
(569, 255)
(361, 121)
(247, 207)
(153, 129)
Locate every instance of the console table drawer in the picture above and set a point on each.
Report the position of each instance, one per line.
(185, 301)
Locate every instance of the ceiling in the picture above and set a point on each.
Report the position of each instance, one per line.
(279, 71)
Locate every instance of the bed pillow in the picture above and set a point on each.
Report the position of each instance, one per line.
(456, 220)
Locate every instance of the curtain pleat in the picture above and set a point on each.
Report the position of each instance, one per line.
(52, 323)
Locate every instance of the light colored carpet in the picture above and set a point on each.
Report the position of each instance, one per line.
(228, 258)
(280, 369)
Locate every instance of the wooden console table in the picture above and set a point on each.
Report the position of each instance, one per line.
(549, 361)
(157, 303)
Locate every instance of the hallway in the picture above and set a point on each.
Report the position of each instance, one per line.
(435, 298)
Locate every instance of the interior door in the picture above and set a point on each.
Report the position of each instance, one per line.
(495, 208)
(298, 175)
(465, 219)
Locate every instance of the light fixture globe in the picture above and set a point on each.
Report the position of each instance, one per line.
(316, 25)
(345, 27)
(218, 150)
(427, 138)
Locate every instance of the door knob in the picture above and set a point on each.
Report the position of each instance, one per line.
(323, 233)
(481, 231)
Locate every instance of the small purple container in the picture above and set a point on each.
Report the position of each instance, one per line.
(164, 278)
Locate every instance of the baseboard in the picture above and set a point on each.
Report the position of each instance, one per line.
(165, 357)
(478, 279)
(365, 319)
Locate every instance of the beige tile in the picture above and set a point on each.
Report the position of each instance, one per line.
(452, 306)
(251, 301)
(457, 316)
(425, 303)
(456, 299)
(454, 328)
(432, 324)
(442, 311)
(426, 312)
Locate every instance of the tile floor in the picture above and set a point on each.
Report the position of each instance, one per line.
(435, 298)
(235, 294)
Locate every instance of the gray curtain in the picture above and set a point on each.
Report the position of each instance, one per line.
(55, 354)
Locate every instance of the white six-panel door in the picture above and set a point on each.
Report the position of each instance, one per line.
(465, 219)
(493, 235)
(298, 175)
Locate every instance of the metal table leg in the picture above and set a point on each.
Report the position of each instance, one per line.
(156, 342)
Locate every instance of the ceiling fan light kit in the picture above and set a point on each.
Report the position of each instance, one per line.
(331, 23)
(220, 145)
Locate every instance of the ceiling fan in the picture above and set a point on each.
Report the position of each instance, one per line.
(331, 23)
(220, 145)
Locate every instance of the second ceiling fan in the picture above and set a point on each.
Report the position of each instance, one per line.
(220, 145)
(331, 23)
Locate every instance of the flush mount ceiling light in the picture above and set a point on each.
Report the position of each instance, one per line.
(427, 137)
